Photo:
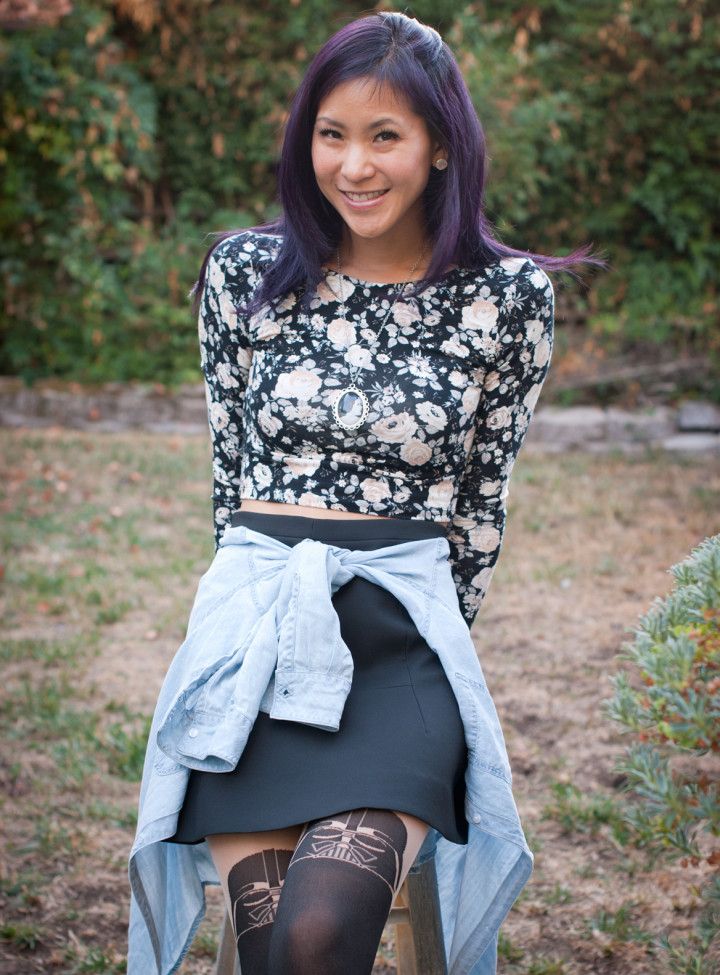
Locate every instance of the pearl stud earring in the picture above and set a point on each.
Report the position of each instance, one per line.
(441, 163)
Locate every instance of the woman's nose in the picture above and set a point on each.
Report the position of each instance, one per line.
(357, 163)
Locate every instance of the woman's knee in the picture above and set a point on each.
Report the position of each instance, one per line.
(311, 942)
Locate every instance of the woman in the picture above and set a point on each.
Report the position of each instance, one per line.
(371, 364)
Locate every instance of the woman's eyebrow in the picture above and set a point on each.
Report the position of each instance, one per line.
(325, 120)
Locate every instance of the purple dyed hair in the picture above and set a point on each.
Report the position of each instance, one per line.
(410, 58)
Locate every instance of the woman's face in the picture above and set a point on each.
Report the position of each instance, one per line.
(372, 155)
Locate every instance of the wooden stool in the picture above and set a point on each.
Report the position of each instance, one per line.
(418, 931)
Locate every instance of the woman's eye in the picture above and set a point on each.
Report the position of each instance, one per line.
(387, 135)
(330, 133)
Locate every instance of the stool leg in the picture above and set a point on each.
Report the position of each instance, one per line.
(405, 950)
(402, 930)
(227, 958)
(426, 921)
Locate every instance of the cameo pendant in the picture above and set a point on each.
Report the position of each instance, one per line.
(350, 407)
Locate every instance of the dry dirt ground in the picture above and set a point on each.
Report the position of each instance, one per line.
(104, 539)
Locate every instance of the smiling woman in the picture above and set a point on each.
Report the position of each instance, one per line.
(372, 361)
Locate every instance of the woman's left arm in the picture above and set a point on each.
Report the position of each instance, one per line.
(510, 390)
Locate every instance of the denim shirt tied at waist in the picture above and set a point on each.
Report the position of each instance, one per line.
(263, 635)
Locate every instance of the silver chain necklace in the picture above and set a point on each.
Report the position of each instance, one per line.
(351, 405)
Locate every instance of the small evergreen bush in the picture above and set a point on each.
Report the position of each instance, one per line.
(673, 765)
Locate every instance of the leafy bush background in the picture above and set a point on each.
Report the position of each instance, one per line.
(129, 130)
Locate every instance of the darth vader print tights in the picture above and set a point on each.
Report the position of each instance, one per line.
(320, 909)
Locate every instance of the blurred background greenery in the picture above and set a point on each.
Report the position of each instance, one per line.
(132, 128)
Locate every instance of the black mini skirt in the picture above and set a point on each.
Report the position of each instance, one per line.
(401, 743)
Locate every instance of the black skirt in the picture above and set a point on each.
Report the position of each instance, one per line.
(401, 743)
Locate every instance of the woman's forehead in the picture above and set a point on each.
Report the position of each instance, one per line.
(366, 92)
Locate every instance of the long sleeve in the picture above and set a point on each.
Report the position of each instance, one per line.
(508, 394)
(225, 355)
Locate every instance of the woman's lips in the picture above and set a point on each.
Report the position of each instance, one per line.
(363, 200)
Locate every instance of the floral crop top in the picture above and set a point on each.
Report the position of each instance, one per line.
(451, 381)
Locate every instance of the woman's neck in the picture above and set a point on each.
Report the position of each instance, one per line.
(384, 262)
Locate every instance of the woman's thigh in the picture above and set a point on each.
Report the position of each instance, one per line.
(229, 849)
(416, 833)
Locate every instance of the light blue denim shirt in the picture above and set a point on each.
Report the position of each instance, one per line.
(263, 634)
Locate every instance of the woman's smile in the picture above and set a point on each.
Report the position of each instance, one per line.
(368, 197)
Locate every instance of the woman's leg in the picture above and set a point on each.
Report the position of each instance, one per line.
(345, 873)
(252, 868)
(338, 891)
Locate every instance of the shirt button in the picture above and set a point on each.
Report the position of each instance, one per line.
(193, 733)
(477, 818)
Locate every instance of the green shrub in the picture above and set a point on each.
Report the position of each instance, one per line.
(125, 129)
(128, 130)
(77, 140)
(601, 124)
(670, 702)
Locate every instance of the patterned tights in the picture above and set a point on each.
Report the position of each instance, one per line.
(320, 909)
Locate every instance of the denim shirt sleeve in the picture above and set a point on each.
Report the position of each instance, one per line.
(291, 661)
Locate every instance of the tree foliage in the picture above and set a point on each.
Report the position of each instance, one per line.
(604, 124)
(130, 129)
(78, 149)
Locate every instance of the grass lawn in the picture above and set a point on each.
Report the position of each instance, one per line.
(104, 539)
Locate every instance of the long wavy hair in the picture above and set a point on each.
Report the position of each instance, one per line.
(410, 58)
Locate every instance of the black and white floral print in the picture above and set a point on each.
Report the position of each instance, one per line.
(452, 380)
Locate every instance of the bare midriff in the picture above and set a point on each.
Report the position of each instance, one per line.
(301, 510)
(307, 511)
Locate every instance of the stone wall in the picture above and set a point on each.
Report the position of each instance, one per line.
(690, 427)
